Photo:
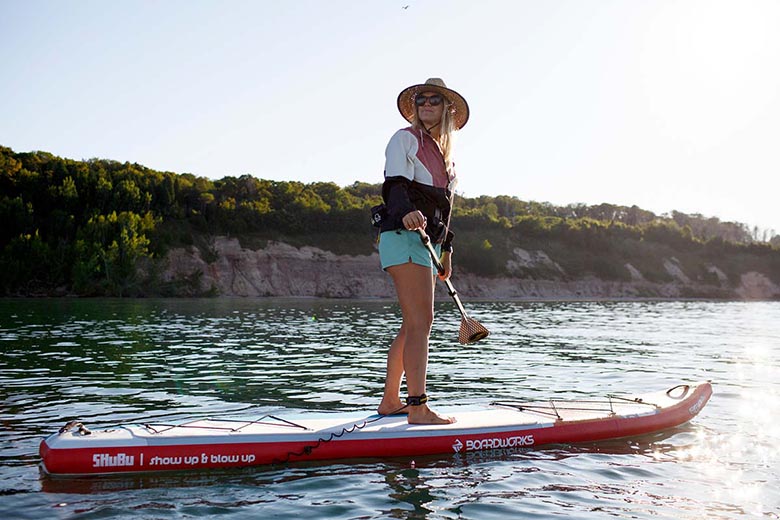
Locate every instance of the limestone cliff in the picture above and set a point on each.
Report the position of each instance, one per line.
(283, 270)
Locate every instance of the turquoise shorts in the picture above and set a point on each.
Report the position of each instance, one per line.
(402, 246)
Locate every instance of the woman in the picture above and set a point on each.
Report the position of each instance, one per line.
(417, 192)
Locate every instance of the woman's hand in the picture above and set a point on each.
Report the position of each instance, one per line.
(414, 220)
(446, 263)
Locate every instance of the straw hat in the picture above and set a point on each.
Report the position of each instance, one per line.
(458, 106)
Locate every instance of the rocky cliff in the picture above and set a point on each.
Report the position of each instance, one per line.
(283, 270)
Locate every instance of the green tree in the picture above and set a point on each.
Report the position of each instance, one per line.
(109, 248)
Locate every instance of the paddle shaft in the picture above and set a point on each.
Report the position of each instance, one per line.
(427, 242)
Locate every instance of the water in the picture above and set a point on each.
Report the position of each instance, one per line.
(109, 361)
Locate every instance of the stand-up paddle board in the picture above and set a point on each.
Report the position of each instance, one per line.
(240, 442)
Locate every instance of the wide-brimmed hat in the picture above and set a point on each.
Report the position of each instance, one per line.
(458, 106)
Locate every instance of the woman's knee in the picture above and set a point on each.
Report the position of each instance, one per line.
(418, 323)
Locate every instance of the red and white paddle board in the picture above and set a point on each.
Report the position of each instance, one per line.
(222, 443)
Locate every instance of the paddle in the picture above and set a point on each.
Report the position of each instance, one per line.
(471, 330)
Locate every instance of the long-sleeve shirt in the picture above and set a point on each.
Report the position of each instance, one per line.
(416, 178)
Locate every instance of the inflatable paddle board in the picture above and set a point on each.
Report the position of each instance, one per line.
(240, 442)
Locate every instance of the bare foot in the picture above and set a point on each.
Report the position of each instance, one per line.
(392, 407)
(424, 415)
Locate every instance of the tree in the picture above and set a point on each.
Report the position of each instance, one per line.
(109, 248)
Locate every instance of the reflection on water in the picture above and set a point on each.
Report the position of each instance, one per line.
(109, 361)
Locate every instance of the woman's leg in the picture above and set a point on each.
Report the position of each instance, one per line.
(391, 401)
(414, 286)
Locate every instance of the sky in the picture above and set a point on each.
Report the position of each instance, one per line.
(666, 104)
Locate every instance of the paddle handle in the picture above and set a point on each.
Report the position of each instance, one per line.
(426, 240)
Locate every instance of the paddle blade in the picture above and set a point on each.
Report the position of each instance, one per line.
(471, 331)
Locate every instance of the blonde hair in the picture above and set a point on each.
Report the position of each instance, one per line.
(446, 132)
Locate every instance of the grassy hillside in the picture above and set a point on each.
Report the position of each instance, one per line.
(85, 227)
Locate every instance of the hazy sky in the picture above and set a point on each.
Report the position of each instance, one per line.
(661, 103)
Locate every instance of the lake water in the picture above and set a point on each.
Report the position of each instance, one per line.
(111, 361)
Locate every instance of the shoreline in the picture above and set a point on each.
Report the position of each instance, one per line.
(283, 271)
(439, 298)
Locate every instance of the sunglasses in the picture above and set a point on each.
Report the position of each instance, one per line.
(434, 100)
